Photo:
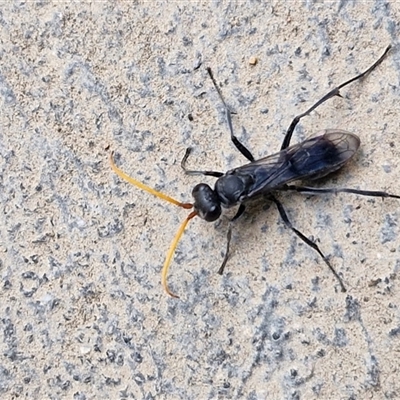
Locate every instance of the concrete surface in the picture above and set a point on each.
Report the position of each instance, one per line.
(83, 313)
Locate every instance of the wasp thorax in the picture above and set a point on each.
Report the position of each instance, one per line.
(230, 188)
(206, 202)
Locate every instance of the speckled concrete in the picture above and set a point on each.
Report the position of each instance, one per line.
(83, 314)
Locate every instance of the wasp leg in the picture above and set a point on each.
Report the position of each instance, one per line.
(239, 212)
(305, 239)
(312, 190)
(334, 92)
(216, 174)
(243, 149)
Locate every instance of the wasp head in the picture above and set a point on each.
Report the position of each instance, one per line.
(206, 202)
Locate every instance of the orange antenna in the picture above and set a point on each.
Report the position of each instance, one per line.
(142, 186)
(171, 252)
(162, 196)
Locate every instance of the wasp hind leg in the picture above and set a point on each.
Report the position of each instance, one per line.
(334, 92)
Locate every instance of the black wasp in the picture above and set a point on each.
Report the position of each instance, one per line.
(311, 159)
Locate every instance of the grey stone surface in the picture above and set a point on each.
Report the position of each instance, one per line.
(82, 311)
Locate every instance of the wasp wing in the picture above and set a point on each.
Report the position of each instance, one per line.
(311, 159)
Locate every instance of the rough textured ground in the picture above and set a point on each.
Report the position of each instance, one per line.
(82, 311)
